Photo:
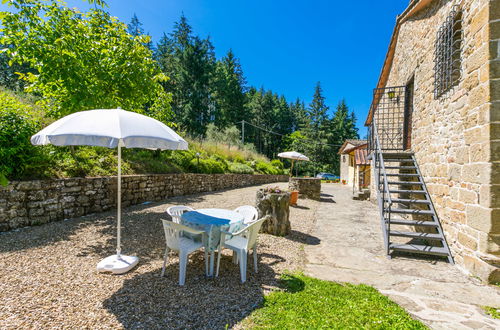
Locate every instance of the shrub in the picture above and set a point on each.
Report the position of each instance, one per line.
(239, 159)
(207, 166)
(265, 168)
(221, 161)
(240, 168)
(18, 157)
(277, 163)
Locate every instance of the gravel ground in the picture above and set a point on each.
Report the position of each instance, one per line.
(48, 277)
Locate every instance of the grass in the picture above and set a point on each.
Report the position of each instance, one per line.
(308, 303)
(492, 311)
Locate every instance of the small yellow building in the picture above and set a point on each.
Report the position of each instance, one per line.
(354, 165)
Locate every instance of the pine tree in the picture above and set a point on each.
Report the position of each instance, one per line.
(189, 61)
(230, 91)
(317, 128)
(135, 27)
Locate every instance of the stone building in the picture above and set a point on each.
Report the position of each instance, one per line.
(354, 164)
(435, 116)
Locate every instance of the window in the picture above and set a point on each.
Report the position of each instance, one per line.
(447, 57)
(343, 159)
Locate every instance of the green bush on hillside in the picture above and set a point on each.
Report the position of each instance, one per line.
(18, 157)
(240, 168)
(277, 164)
(265, 168)
(208, 166)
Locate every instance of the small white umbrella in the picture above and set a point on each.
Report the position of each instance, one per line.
(111, 128)
(293, 155)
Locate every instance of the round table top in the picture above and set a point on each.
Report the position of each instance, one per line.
(212, 216)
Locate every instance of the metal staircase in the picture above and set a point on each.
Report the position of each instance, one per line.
(409, 221)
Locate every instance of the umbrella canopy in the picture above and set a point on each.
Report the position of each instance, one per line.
(111, 128)
(293, 155)
(106, 128)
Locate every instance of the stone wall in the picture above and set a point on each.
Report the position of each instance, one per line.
(456, 138)
(307, 187)
(25, 203)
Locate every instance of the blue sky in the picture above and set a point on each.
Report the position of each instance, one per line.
(286, 46)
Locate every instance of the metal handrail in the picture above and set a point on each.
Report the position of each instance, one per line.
(379, 151)
(384, 222)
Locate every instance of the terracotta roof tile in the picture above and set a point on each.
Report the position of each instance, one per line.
(361, 156)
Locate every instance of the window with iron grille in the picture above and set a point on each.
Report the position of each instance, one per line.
(447, 57)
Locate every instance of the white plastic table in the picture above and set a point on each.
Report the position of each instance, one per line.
(212, 221)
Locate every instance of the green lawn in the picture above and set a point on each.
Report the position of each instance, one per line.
(308, 303)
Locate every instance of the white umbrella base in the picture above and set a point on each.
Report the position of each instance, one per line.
(117, 264)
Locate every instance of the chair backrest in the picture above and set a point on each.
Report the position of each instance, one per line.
(176, 211)
(252, 231)
(173, 233)
(249, 213)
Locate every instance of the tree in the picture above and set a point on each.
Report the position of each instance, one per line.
(317, 128)
(135, 29)
(82, 60)
(190, 62)
(230, 91)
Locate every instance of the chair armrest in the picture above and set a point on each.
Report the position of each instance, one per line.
(187, 229)
(226, 232)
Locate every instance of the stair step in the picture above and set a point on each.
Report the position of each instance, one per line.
(400, 168)
(412, 201)
(412, 211)
(407, 183)
(415, 235)
(397, 154)
(401, 160)
(403, 174)
(416, 248)
(406, 191)
(413, 222)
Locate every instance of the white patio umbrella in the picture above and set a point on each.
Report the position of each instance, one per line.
(293, 155)
(111, 128)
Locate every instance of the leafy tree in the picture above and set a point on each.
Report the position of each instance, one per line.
(82, 60)
(232, 135)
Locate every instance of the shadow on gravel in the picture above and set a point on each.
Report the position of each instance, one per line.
(300, 207)
(148, 301)
(303, 238)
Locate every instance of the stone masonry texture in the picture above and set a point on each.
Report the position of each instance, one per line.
(456, 138)
(26, 203)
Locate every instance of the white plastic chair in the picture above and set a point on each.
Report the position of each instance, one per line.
(249, 213)
(176, 211)
(241, 243)
(183, 245)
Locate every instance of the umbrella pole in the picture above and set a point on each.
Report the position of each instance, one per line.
(119, 202)
(291, 169)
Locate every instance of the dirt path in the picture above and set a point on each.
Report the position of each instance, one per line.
(351, 250)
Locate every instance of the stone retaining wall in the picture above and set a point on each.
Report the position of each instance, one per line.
(307, 187)
(25, 203)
